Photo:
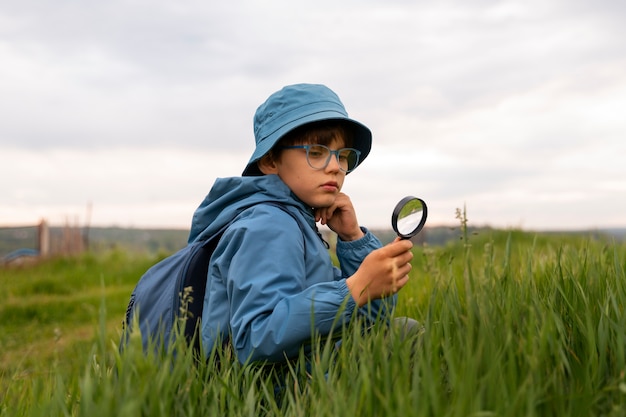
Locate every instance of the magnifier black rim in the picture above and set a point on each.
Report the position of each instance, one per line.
(396, 213)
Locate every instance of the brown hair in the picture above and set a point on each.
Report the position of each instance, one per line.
(319, 133)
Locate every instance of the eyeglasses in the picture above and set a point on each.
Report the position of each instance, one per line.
(318, 156)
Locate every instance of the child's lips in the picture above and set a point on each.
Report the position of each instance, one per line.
(330, 186)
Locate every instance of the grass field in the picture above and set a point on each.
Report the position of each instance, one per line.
(516, 324)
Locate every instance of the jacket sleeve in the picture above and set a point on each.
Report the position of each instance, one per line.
(273, 304)
(350, 256)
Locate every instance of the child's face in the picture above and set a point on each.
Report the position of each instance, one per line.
(315, 187)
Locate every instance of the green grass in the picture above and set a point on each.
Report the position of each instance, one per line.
(516, 324)
(49, 311)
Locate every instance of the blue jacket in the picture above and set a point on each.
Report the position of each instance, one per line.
(264, 291)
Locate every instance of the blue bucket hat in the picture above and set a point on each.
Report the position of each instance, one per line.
(297, 105)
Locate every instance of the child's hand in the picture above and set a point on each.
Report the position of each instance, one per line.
(383, 272)
(340, 218)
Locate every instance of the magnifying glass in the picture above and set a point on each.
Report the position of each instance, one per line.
(409, 217)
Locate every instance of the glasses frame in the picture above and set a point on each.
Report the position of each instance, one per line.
(330, 154)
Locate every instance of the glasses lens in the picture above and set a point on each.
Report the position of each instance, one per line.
(348, 159)
(317, 156)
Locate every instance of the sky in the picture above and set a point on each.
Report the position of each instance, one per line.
(123, 112)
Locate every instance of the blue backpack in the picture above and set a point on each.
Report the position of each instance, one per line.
(171, 292)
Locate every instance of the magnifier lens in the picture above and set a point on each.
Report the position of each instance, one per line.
(409, 217)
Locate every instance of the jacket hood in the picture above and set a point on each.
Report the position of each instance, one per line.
(230, 196)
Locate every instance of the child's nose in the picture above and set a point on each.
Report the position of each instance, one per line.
(333, 164)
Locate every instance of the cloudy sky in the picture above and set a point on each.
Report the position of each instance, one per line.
(513, 109)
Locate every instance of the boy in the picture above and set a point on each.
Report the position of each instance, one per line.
(271, 279)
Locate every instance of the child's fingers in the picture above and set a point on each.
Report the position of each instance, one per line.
(398, 247)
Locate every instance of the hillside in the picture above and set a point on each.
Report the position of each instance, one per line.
(169, 240)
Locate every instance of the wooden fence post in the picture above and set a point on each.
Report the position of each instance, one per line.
(44, 238)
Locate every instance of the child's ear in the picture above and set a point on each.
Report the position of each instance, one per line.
(267, 165)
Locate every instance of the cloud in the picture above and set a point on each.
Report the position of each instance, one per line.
(125, 186)
(512, 107)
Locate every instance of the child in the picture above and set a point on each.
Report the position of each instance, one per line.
(271, 282)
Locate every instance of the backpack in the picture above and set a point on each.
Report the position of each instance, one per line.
(172, 291)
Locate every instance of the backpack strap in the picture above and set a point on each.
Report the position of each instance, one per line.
(195, 277)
